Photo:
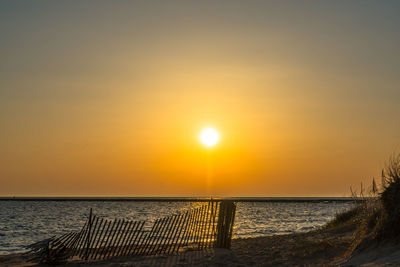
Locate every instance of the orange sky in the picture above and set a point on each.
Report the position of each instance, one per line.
(109, 100)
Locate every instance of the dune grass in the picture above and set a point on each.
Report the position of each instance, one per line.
(375, 219)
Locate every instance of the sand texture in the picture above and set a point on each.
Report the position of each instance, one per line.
(317, 248)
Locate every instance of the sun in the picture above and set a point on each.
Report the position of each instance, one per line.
(209, 137)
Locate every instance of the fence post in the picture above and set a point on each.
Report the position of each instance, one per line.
(226, 217)
(88, 235)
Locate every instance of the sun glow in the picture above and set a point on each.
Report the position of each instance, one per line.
(209, 137)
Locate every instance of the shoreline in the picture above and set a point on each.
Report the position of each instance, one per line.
(324, 247)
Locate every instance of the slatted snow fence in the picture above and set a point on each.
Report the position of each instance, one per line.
(208, 226)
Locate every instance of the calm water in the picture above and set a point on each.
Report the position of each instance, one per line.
(25, 222)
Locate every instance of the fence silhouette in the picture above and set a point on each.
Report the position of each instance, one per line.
(207, 226)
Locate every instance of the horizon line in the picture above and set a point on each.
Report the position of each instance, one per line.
(183, 199)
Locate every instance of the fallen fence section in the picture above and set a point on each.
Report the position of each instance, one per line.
(207, 226)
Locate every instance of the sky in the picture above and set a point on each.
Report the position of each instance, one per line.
(104, 98)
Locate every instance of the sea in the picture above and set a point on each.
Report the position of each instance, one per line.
(28, 220)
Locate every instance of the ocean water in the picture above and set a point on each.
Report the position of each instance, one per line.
(25, 222)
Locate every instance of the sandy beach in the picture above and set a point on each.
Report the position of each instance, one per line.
(328, 247)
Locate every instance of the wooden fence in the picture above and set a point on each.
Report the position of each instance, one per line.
(207, 226)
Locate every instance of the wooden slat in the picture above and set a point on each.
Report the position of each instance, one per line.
(200, 221)
(173, 232)
(214, 227)
(81, 236)
(148, 238)
(74, 244)
(125, 238)
(138, 237)
(137, 243)
(204, 227)
(188, 226)
(67, 246)
(159, 236)
(96, 238)
(168, 221)
(198, 228)
(112, 240)
(116, 238)
(163, 240)
(91, 236)
(58, 240)
(84, 240)
(121, 234)
(153, 240)
(178, 239)
(193, 226)
(81, 242)
(102, 238)
(71, 246)
(110, 231)
(55, 252)
(215, 223)
(71, 240)
(90, 224)
(57, 248)
(134, 237)
(59, 245)
(131, 236)
(171, 226)
(177, 235)
(209, 224)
